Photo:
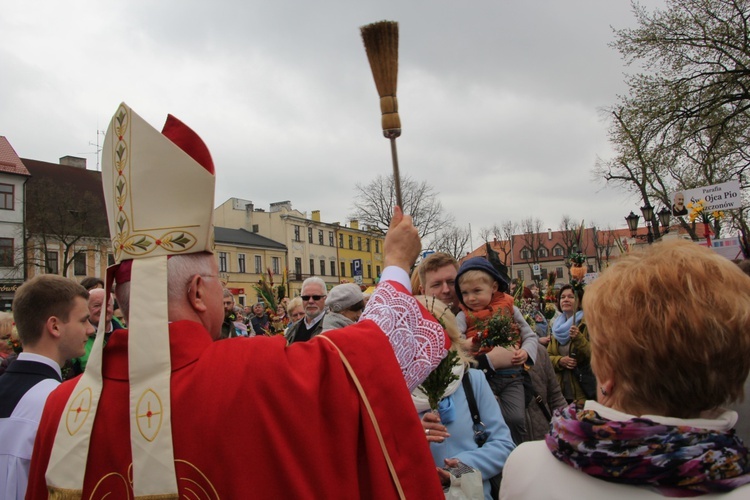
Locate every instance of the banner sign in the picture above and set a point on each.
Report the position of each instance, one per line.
(724, 196)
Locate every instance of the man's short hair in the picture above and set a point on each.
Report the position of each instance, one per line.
(180, 270)
(39, 299)
(436, 261)
(315, 280)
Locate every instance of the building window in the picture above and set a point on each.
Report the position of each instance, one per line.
(6, 252)
(312, 267)
(241, 262)
(330, 238)
(320, 237)
(557, 251)
(222, 262)
(343, 269)
(258, 264)
(79, 263)
(542, 252)
(322, 267)
(367, 244)
(296, 234)
(351, 242)
(351, 267)
(110, 260)
(276, 265)
(589, 268)
(520, 274)
(6, 196)
(333, 268)
(369, 270)
(341, 240)
(309, 235)
(298, 268)
(544, 274)
(377, 271)
(559, 273)
(525, 254)
(377, 246)
(53, 263)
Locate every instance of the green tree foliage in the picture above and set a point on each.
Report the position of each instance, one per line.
(684, 122)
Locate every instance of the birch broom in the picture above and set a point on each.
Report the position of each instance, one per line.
(381, 45)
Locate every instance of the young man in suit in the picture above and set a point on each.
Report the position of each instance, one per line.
(52, 318)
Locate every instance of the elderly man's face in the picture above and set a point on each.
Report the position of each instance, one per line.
(96, 302)
(258, 309)
(441, 283)
(314, 298)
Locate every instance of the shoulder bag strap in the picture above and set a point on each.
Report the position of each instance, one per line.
(470, 399)
(370, 412)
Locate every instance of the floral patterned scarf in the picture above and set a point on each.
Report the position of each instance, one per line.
(678, 461)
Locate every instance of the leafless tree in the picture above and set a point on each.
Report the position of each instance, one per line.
(451, 240)
(57, 214)
(531, 237)
(604, 244)
(374, 202)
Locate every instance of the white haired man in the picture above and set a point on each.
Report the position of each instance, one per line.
(314, 300)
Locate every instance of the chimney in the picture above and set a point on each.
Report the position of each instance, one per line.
(73, 161)
(354, 224)
(549, 233)
(316, 215)
(281, 205)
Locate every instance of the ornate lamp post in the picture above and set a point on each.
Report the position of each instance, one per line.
(647, 210)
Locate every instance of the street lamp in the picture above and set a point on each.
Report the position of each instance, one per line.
(648, 215)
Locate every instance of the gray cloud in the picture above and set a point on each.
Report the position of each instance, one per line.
(498, 99)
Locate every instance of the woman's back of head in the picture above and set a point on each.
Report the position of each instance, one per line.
(671, 327)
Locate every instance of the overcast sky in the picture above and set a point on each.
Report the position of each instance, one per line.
(499, 99)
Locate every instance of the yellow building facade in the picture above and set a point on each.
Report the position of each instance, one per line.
(244, 259)
(360, 253)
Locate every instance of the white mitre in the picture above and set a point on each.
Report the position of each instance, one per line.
(159, 193)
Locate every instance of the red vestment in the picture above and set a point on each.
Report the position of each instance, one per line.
(253, 418)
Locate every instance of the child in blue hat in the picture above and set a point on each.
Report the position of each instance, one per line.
(481, 291)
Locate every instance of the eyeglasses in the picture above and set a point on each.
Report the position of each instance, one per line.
(313, 297)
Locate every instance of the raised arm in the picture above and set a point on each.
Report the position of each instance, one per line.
(418, 341)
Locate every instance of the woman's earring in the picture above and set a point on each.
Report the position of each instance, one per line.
(604, 393)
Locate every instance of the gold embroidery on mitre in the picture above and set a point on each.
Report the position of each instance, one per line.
(137, 243)
(78, 411)
(148, 415)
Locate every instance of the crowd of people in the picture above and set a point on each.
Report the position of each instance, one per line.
(452, 381)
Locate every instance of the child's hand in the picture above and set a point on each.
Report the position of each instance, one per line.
(519, 357)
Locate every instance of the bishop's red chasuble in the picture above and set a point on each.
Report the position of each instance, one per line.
(253, 418)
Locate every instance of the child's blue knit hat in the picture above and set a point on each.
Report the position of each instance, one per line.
(480, 264)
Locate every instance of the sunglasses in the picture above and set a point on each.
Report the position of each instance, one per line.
(314, 297)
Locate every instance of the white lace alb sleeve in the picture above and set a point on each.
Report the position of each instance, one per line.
(419, 343)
